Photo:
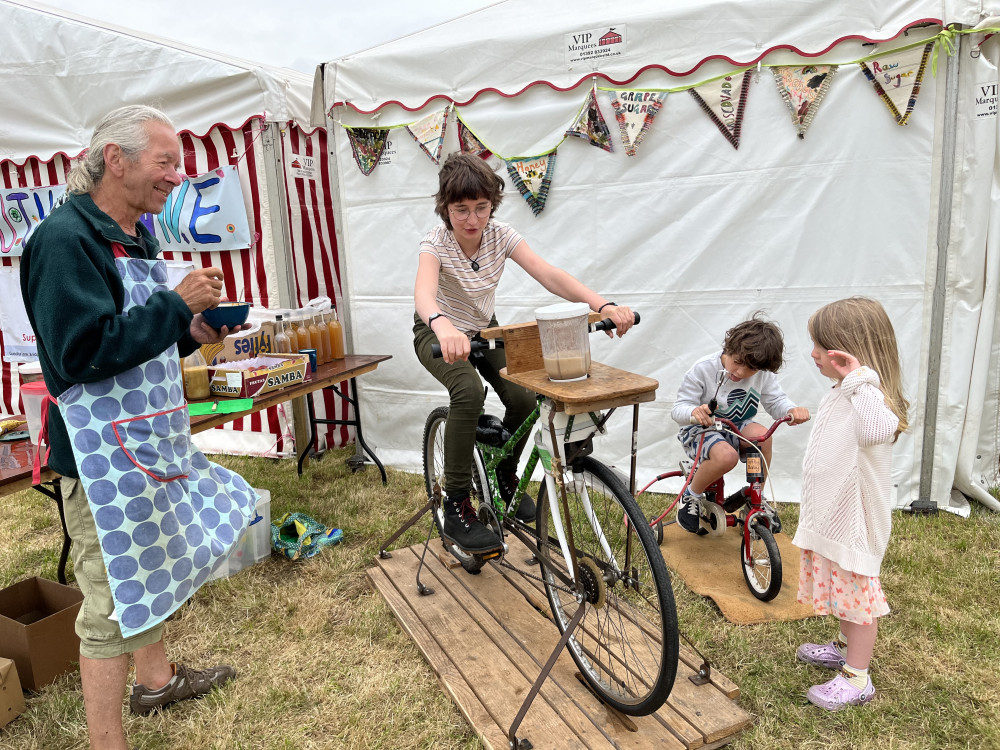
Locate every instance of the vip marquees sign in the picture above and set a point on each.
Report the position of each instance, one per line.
(204, 213)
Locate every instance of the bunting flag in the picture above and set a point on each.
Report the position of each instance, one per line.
(724, 104)
(590, 124)
(803, 89)
(429, 132)
(367, 144)
(896, 77)
(469, 143)
(634, 111)
(533, 176)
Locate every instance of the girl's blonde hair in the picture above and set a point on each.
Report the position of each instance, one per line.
(860, 326)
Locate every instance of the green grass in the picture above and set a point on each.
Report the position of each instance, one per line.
(323, 663)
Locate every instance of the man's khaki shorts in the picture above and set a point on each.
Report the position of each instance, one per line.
(100, 636)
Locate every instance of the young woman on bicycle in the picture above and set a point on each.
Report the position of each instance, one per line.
(460, 265)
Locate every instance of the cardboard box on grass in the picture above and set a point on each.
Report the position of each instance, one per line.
(11, 697)
(254, 377)
(244, 345)
(37, 629)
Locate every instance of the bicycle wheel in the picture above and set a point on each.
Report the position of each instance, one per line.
(434, 430)
(626, 645)
(761, 562)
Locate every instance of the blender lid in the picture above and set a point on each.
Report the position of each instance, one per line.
(561, 311)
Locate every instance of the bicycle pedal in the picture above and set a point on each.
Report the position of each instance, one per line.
(492, 555)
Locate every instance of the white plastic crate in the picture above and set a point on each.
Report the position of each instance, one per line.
(254, 545)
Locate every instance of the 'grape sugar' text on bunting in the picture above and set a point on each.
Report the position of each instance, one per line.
(634, 111)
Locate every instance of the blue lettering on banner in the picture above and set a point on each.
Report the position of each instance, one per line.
(204, 213)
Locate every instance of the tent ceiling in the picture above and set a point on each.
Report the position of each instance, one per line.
(514, 44)
(62, 72)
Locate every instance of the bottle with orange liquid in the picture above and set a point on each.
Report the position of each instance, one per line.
(336, 336)
(324, 333)
(317, 340)
(302, 332)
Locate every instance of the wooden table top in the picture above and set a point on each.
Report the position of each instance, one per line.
(16, 456)
(605, 388)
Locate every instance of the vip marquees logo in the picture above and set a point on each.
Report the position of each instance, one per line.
(595, 44)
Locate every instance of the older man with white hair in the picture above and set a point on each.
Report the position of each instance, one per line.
(149, 515)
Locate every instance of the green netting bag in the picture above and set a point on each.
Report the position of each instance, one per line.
(297, 536)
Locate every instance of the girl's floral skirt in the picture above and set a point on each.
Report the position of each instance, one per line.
(831, 590)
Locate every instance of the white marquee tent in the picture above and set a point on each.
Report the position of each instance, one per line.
(693, 233)
(61, 73)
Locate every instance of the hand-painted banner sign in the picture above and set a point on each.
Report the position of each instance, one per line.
(204, 213)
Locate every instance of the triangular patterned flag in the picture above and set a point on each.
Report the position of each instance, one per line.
(724, 100)
(803, 89)
(590, 124)
(634, 111)
(896, 77)
(533, 176)
(469, 143)
(367, 144)
(429, 132)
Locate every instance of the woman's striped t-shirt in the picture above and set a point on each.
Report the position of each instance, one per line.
(466, 296)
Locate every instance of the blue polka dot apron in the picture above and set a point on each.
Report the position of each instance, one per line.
(165, 515)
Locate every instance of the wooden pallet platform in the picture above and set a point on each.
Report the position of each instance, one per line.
(487, 637)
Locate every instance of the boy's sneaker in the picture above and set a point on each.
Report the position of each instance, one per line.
(839, 693)
(186, 683)
(824, 655)
(507, 484)
(463, 528)
(689, 513)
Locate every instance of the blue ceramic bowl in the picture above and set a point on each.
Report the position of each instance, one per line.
(229, 314)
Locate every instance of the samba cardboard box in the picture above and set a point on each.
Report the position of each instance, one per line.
(249, 378)
(11, 697)
(240, 346)
(36, 629)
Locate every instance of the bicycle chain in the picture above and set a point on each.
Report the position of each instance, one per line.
(502, 562)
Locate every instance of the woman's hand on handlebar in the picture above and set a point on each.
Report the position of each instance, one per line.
(623, 318)
(454, 343)
(798, 415)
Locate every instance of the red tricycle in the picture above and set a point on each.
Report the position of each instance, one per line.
(759, 555)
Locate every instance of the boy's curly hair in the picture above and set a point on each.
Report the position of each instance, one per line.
(756, 343)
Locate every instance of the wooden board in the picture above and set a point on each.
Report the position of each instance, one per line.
(606, 387)
(487, 637)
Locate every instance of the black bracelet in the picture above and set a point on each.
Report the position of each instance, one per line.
(606, 304)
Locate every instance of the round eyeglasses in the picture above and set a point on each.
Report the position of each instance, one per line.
(462, 212)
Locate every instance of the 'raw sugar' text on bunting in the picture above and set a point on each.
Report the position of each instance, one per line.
(533, 176)
(429, 132)
(367, 145)
(724, 100)
(803, 89)
(634, 111)
(896, 76)
(590, 124)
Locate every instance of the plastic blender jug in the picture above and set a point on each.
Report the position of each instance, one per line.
(562, 329)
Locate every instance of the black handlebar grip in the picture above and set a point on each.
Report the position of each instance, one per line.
(474, 347)
(607, 324)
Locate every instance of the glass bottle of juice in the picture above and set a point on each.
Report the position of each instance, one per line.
(324, 333)
(317, 340)
(302, 332)
(195, 374)
(282, 344)
(336, 336)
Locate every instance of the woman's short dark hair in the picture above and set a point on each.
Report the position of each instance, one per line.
(465, 177)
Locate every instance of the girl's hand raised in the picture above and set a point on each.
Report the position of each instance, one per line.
(843, 362)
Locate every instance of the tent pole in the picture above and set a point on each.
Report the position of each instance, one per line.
(274, 170)
(946, 194)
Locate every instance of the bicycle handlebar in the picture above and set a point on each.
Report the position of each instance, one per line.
(759, 439)
(481, 346)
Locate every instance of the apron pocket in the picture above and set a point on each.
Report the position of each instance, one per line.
(157, 444)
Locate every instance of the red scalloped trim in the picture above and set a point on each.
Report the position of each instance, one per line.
(192, 133)
(625, 81)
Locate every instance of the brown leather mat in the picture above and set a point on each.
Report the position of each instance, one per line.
(710, 566)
